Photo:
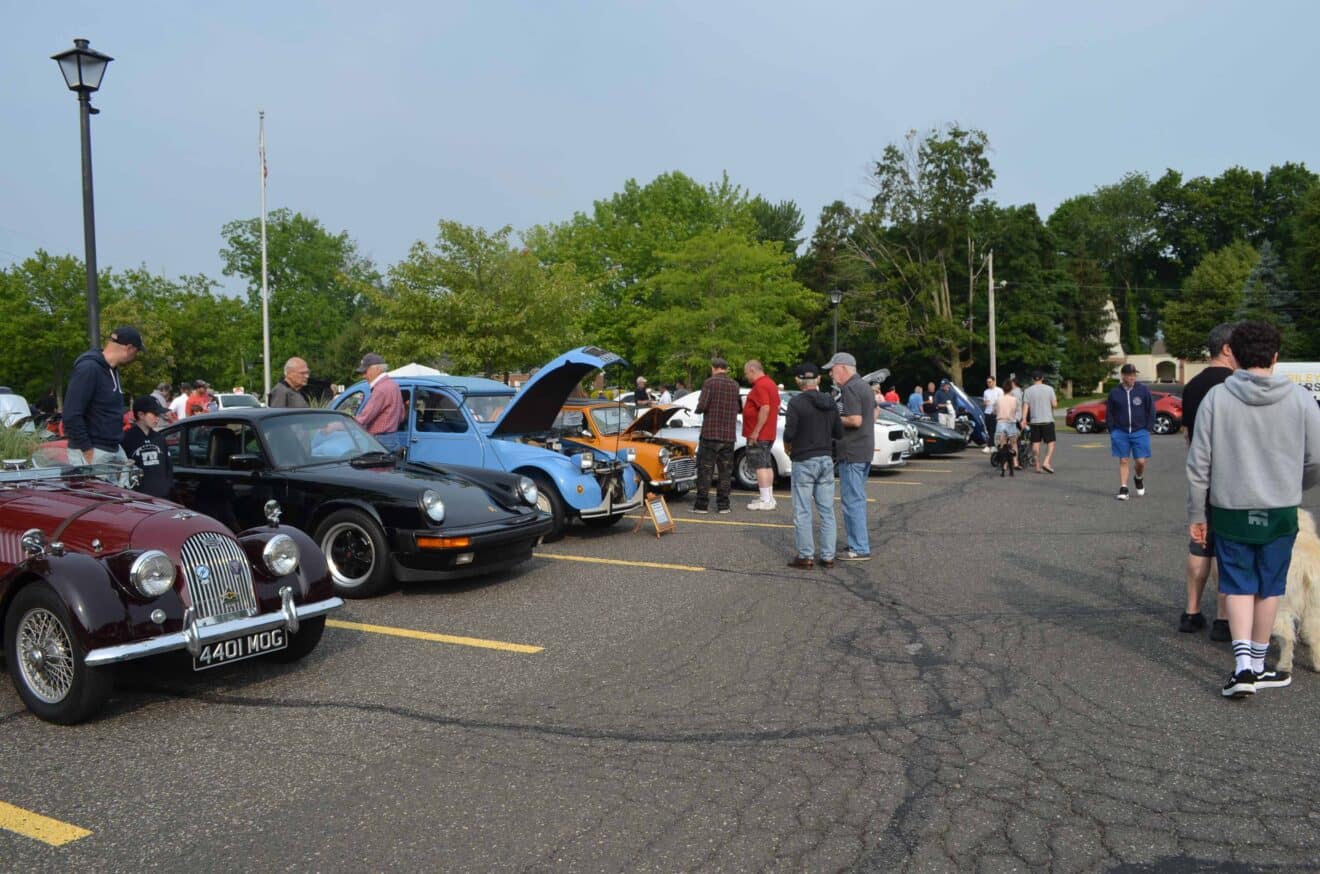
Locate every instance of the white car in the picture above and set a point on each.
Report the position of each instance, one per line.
(891, 440)
(230, 400)
(13, 408)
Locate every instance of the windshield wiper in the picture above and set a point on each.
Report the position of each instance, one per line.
(373, 458)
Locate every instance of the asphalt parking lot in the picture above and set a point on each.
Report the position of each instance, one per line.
(1003, 688)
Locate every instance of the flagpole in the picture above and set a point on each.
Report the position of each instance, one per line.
(265, 290)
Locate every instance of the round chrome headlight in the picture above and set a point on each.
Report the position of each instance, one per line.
(630, 455)
(527, 491)
(152, 573)
(281, 555)
(432, 506)
(664, 458)
(586, 461)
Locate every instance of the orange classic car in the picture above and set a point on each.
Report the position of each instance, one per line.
(664, 464)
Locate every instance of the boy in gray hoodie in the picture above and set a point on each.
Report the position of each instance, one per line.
(1265, 433)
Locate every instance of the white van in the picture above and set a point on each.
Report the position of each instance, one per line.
(1304, 373)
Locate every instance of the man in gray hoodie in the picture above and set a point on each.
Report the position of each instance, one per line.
(1264, 432)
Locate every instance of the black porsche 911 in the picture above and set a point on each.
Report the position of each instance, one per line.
(374, 516)
(935, 438)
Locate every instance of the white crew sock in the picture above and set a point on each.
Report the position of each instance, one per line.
(767, 495)
(1242, 656)
(1258, 651)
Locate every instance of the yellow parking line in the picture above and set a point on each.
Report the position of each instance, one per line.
(619, 561)
(436, 638)
(732, 522)
(38, 827)
(1088, 445)
(924, 470)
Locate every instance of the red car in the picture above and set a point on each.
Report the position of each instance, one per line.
(92, 575)
(1090, 417)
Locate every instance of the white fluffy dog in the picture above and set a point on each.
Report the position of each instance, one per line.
(1299, 609)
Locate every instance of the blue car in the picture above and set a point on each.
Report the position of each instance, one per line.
(482, 422)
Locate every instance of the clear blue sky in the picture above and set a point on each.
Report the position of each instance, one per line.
(384, 117)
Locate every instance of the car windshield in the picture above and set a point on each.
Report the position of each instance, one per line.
(316, 438)
(610, 420)
(487, 408)
(900, 411)
(239, 401)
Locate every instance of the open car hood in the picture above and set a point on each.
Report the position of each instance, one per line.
(534, 407)
(652, 420)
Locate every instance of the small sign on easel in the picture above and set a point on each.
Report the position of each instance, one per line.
(658, 512)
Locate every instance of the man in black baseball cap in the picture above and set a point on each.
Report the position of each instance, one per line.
(94, 401)
(145, 447)
(811, 427)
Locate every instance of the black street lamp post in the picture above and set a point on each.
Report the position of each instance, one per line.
(83, 69)
(836, 297)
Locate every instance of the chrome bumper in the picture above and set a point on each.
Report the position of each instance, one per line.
(608, 509)
(193, 636)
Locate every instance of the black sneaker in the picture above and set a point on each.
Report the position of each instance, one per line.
(1191, 622)
(1272, 679)
(1219, 631)
(1240, 685)
(1122, 493)
(703, 510)
(1141, 486)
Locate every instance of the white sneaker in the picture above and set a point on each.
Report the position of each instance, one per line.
(985, 449)
(759, 504)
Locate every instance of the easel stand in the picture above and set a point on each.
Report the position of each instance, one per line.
(658, 512)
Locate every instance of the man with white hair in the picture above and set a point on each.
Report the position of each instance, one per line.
(383, 411)
(857, 410)
(288, 391)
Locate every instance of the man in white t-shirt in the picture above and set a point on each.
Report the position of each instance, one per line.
(179, 406)
(989, 398)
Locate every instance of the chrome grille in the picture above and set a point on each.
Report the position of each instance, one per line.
(218, 577)
(682, 468)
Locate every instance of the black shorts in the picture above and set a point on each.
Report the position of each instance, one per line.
(1043, 431)
(758, 454)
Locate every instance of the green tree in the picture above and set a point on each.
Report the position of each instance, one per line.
(474, 302)
(43, 311)
(319, 287)
(1266, 297)
(778, 222)
(720, 293)
(1081, 299)
(916, 233)
(1210, 296)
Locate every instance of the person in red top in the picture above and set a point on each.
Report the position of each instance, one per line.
(760, 420)
(718, 408)
(383, 411)
(200, 400)
(891, 396)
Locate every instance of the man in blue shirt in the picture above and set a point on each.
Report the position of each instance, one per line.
(916, 399)
(1129, 413)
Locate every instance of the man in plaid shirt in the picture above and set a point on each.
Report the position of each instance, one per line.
(719, 408)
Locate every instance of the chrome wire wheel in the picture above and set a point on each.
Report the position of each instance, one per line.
(45, 655)
(350, 554)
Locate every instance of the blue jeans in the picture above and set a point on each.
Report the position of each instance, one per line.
(852, 485)
(813, 482)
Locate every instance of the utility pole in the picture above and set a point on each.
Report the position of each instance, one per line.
(993, 362)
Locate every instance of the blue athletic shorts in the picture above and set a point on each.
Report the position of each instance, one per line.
(1136, 444)
(1259, 569)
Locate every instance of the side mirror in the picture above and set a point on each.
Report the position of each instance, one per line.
(246, 461)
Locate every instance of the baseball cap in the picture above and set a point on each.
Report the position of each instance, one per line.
(1130, 368)
(128, 336)
(841, 358)
(148, 404)
(806, 370)
(371, 359)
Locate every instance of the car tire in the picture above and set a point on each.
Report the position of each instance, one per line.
(301, 643)
(548, 501)
(56, 685)
(1164, 424)
(1084, 423)
(743, 472)
(355, 553)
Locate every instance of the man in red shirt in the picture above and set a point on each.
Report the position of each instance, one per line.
(383, 411)
(760, 420)
(718, 408)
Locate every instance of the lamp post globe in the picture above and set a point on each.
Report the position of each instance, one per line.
(83, 68)
(836, 297)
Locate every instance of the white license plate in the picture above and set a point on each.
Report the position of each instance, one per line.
(235, 649)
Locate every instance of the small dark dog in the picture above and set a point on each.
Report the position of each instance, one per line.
(1004, 458)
